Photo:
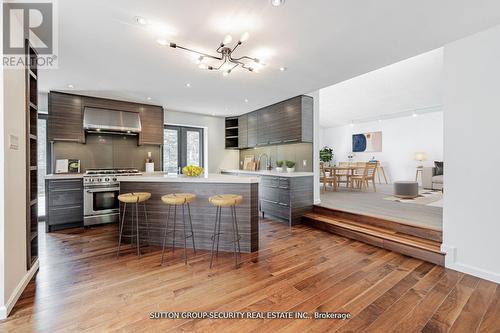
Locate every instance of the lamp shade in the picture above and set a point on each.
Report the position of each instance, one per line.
(420, 156)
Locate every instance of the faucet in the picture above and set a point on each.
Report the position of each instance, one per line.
(268, 161)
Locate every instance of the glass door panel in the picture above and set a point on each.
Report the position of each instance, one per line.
(182, 146)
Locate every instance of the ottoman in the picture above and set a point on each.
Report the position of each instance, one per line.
(406, 189)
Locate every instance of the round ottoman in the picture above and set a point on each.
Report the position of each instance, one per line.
(406, 189)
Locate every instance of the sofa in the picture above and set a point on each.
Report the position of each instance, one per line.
(430, 180)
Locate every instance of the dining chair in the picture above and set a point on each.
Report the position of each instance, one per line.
(325, 179)
(362, 181)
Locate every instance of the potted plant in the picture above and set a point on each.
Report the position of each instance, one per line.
(290, 166)
(326, 155)
(279, 166)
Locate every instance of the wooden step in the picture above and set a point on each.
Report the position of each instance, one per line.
(410, 245)
(396, 226)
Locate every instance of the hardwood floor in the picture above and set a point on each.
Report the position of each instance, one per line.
(82, 286)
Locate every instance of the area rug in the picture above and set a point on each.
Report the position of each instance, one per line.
(425, 197)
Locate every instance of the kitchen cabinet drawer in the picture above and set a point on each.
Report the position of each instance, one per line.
(268, 181)
(65, 197)
(270, 193)
(284, 197)
(284, 182)
(64, 184)
(66, 214)
(275, 209)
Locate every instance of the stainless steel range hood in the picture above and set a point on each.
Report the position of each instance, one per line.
(111, 121)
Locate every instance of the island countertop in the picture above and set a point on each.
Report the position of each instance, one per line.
(268, 173)
(163, 177)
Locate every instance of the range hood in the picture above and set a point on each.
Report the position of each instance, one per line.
(97, 120)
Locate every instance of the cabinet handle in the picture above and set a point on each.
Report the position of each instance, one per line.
(284, 179)
(284, 187)
(283, 204)
(273, 202)
(68, 140)
(273, 142)
(67, 189)
(63, 208)
(291, 140)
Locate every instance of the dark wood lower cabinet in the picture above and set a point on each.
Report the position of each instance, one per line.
(64, 203)
(286, 198)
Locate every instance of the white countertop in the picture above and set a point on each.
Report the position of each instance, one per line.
(162, 177)
(270, 173)
(64, 176)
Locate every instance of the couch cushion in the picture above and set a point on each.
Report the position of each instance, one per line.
(437, 179)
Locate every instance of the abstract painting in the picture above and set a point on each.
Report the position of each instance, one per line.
(367, 142)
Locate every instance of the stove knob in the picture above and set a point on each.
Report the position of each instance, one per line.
(107, 179)
(92, 180)
(114, 179)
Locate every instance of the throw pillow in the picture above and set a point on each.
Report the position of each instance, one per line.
(439, 168)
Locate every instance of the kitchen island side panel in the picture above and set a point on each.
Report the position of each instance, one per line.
(202, 214)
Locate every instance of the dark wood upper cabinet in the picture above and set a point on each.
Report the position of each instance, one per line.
(243, 131)
(252, 128)
(65, 122)
(290, 121)
(152, 125)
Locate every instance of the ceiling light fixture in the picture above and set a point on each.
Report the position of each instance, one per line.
(148, 98)
(283, 69)
(225, 56)
(70, 86)
(414, 115)
(277, 3)
(188, 85)
(246, 100)
(141, 20)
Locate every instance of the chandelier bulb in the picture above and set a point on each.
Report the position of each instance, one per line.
(244, 37)
(228, 39)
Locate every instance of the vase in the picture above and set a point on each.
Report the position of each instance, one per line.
(279, 169)
(290, 169)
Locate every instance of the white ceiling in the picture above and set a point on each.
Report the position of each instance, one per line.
(102, 51)
(411, 85)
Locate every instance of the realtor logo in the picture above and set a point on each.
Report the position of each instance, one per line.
(35, 21)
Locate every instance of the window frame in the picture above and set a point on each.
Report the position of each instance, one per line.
(182, 144)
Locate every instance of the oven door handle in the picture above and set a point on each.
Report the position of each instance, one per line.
(103, 190)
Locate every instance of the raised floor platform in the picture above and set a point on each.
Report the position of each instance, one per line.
(414, 241)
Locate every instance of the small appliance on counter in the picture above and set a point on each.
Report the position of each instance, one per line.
(67, 166)
(150, 164)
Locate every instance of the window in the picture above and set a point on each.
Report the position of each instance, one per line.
(182, 146)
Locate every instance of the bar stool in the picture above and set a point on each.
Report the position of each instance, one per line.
(178, 199)
(133, 198)
(231, 201)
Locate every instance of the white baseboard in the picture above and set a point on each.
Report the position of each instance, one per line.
(451, 262)
(317, 202)
(7, 307)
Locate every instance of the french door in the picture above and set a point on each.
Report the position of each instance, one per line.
(182, 146)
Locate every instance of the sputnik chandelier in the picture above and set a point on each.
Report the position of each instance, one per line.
(225, 57)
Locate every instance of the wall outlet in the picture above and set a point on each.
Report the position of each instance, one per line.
(304, 163)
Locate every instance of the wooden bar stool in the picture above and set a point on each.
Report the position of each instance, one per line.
(133, 198)
(231, 201)
(178, 199)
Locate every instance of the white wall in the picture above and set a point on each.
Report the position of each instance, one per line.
(401, 139)
(471, 223)
(216, 155)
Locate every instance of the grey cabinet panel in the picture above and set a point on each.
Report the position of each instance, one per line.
(286, 198)
(243, 131)
(307, 118)
(253, 128)
(152, 125)
(64, 202)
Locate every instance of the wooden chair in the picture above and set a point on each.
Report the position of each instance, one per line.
(362, 181)
(325, 179)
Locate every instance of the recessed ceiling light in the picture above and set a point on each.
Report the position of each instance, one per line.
(141, 20)
(148, 98)
(70, 86)
(414, 114)
(162, 42)
(277, 3)
(246, 100)
(213, 114)
(188, 85)
(283, 69)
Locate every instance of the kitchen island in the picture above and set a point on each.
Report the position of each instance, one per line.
(202, 212)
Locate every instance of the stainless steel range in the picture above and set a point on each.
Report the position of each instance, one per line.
(100, 195)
